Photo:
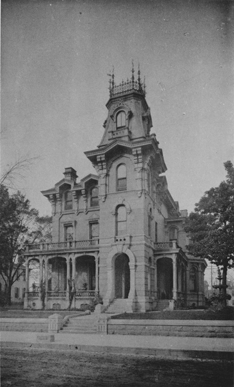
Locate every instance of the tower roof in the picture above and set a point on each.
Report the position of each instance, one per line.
(132, 84)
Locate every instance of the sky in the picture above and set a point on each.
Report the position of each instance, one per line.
(55, 59)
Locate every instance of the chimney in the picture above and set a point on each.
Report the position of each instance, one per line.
(70, 174)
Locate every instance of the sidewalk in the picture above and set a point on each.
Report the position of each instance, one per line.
(157, 346)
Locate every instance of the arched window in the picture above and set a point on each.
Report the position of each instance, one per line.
(193, 279)
(173, 233)
(120, 120)
(94, 201)
(68, 200)
(121, 220)
(121, 177)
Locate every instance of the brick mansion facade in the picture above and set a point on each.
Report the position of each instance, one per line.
(118, 235)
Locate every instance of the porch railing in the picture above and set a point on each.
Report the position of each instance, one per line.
(63, 293)
(64, 245)
(32, 294)
(151, 293)
(53, 294)
(85, 293)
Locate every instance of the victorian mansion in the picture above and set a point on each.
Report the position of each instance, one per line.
(118, 234)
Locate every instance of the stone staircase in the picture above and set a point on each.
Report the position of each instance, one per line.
(119, 305)
(82, 324)
(162, 304)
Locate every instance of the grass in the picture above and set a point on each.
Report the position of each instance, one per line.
(9, 313)
(226, 313)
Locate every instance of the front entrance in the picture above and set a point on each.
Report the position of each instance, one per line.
(122, 276)
(165, 278)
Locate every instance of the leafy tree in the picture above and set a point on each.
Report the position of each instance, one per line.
(211, 226)
(19, 223)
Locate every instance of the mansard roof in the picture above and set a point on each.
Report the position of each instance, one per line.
(68, 182)
(150, 142)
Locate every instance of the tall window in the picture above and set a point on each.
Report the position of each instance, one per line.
(94, 202)
(173, 233)
(156, 232)
(68, 200)
(94, 232)
(120, 120)
(193, 279)
(149, 222)
(69, 234)
(149, 182)
(121, 177)
(121, 220)
(16, 292)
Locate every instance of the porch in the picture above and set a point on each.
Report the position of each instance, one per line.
(62, 275)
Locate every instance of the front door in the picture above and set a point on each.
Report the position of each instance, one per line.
(122, 276)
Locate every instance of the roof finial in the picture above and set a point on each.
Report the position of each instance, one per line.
(139, 75)
(144, 86)
(133, 71)
(113, 76)
(109, 75)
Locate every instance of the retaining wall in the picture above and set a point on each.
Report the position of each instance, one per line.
(24, 324)
(184, 328)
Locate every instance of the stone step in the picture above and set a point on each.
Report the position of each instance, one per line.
(118, 306)
(78, 330)
(80, 325)
(162, 304)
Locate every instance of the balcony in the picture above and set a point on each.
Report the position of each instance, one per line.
(119, 133)
(70, 245)
(162, 246)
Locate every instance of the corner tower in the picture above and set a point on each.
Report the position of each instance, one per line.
(129, 162)
(129, 115)
(127, 130)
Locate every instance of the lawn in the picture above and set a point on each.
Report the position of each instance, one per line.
(226, 313)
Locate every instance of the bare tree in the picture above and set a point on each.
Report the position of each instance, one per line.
(16, 170)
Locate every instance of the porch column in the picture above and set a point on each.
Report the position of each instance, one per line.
(96, 274)
(27, 285)
(27, 276)
(40, 274)
(46, 280)
(156, 278)
(187, 284)
(132, 281)
(201, 282)
(74, 281)
(174, 277)
(73, 268)
(68, 275)
(40, 279)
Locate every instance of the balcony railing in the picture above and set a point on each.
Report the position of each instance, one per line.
(63, 245)
(127, 86)
(166, 245)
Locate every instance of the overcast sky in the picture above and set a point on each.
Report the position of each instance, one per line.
(55, 59)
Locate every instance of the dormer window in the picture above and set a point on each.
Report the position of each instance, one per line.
(120, 120)
(94, 201)
(121, 178)
(68, 200)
